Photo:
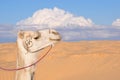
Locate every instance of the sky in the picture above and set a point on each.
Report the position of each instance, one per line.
(89, 19)
(100, 11)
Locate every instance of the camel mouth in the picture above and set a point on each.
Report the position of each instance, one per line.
(34, 51)
(55, 39)
(41, 48)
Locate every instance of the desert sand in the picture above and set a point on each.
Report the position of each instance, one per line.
(84, 60)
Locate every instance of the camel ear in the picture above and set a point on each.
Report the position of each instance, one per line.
(21, 34)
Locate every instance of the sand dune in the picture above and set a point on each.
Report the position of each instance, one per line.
(84, 60)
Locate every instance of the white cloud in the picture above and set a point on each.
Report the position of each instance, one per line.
(116, 22)
(55, 18)
(90, 34)
(71, 27)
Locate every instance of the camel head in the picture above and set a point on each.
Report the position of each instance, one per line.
(32, 41)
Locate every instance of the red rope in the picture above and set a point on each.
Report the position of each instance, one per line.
(16, 69)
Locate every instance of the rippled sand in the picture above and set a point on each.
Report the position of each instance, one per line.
(84, 60)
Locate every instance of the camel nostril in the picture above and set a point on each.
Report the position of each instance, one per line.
(55, 33)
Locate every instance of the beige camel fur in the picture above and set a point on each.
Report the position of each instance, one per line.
(29, 45)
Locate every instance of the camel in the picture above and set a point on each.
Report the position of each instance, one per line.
(30, 43)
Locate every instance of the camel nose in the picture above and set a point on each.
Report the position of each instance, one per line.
(56, 35)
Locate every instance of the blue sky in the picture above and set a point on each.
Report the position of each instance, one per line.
(74, 19)
(101, 12)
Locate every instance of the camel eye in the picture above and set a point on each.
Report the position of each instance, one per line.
(37, 37)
